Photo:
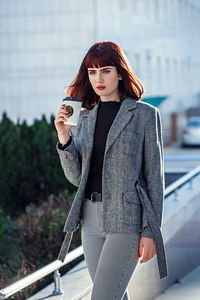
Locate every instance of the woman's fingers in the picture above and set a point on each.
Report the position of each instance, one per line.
(63, 115)
(148, 247)
(143, 250)
(150, 255)
(60, 119)
(63, 110)
(145, 256)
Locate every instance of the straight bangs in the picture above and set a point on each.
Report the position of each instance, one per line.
(98, 58)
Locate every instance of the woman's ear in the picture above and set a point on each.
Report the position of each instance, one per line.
(120, 76)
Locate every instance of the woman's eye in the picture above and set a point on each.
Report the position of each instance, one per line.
(104, 71)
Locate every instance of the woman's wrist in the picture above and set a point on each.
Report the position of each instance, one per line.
(63, 139)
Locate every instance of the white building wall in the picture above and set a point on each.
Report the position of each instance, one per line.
(161, 39)
(42, 44)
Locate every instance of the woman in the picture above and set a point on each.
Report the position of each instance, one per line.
(115, 158)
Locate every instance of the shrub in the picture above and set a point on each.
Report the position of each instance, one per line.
(30, 168)
(11, 255)
(39, 238)
(41, 228)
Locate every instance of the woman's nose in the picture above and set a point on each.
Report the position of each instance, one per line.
(99, 77)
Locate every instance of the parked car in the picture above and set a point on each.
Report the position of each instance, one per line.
(190, 134)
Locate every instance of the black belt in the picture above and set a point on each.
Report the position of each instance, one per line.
(94, 197)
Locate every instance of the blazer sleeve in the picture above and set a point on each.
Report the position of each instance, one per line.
(66, 145)
(154, 166)
(70, 160)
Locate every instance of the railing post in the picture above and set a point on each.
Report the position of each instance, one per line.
(57, 284)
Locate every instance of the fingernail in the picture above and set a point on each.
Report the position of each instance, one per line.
(67, 111)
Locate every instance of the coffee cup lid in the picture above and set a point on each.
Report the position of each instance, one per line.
(72, 99)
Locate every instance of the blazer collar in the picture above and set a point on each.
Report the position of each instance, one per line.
(127, 104)
(125, 113)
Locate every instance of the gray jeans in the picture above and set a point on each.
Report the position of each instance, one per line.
(110, 257)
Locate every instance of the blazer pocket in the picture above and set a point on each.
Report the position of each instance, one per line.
(129, 142)
(132, 207)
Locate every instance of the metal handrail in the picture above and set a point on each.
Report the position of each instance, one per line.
(181, 158)
(181, 181)
(57, 264)
(37, 275)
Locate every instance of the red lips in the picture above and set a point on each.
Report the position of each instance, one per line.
(100, 87)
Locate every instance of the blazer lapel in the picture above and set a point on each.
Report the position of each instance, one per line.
(123, 116)
(90, 127)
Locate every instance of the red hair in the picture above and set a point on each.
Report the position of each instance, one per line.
(100, 55)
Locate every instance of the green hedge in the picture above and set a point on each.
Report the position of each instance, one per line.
(30, 168)
(35, 198)
(33, 240)
(11, 255)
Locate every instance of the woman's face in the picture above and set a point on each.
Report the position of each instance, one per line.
(105, 82)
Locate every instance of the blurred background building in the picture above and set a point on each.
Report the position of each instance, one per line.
(42, 44)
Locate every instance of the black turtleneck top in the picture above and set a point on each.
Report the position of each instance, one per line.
(106, 114)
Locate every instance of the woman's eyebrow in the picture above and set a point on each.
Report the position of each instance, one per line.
(101, 69)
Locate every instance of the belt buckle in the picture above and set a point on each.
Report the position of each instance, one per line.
(92, 196)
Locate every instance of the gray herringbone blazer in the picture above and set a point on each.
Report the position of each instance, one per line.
(133, 180)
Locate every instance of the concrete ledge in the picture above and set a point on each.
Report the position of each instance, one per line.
(188, 288)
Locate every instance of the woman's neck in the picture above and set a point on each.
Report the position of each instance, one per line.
(110, 100)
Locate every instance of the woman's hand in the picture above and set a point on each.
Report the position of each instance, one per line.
(60, 119)
(62, 129)
(149, 247)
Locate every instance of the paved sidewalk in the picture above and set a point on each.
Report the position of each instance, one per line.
(187, 158)
(187, 289)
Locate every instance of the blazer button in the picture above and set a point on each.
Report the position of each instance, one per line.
(107, 175)
(107, 195)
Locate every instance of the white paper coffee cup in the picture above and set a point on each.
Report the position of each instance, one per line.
(74, 105)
